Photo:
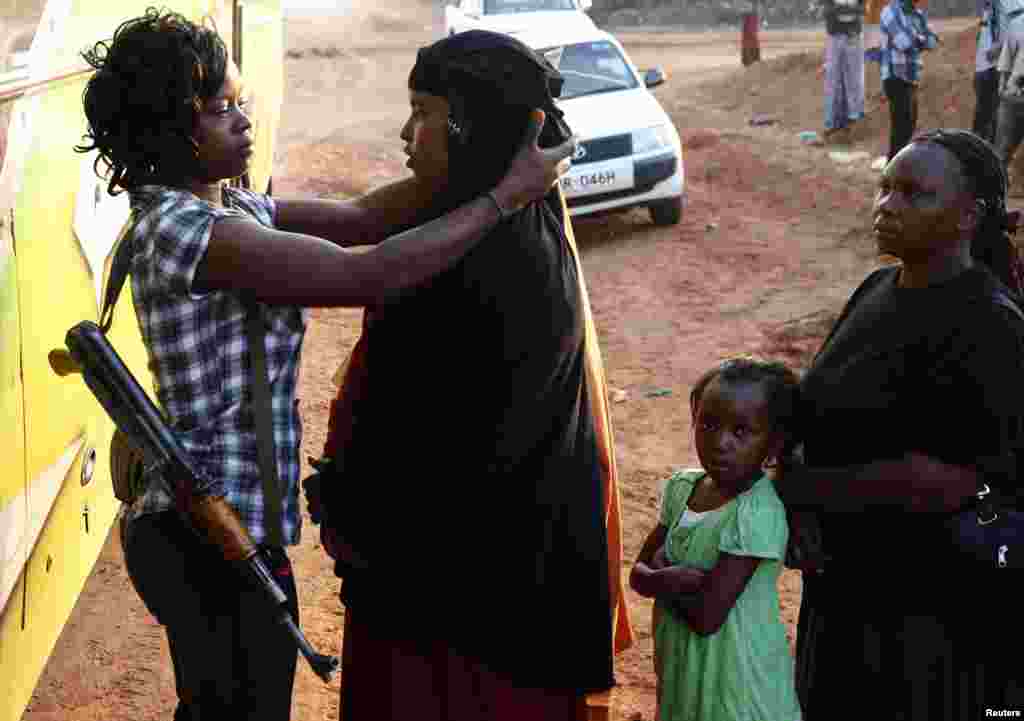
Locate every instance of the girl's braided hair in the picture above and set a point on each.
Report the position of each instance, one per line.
(781, 391)
(985, 178)
(141, 103)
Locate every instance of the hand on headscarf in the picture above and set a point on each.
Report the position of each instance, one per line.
(533, 169)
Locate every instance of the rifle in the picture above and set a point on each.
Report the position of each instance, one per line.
(117, 390)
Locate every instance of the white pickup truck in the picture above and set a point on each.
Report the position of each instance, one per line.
(514, 16)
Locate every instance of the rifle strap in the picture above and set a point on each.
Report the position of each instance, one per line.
(120, 267)
(262, 412)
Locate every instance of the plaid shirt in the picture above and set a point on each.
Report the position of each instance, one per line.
(199, 355)
(904, 34)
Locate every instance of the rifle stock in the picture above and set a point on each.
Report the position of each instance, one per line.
(127, 404)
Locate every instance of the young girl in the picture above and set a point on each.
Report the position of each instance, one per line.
(713, 560)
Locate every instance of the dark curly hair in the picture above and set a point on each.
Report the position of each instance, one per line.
(983, 176)
(781, 391)
(141, 103)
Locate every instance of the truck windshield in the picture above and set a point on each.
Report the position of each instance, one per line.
(590, 68)
(500, 7)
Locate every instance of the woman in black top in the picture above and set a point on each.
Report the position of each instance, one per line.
(914, 398)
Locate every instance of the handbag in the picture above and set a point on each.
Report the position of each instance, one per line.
(990, 535)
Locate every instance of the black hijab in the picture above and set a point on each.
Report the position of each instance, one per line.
(491, 82)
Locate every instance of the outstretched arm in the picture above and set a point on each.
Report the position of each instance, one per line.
(283, 268)
(365, 220)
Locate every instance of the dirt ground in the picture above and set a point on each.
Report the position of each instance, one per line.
(775, 237)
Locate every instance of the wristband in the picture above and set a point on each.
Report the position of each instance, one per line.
(497, 206)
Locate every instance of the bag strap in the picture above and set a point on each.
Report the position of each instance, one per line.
(262, 411)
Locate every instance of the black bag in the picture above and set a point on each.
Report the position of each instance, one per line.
(989, 536)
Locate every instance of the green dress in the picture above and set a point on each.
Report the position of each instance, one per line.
(744, 671)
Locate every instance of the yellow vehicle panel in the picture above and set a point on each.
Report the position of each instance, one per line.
(13, 506)
(58, 228)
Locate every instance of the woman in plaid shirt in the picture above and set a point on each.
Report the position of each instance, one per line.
(166, 109)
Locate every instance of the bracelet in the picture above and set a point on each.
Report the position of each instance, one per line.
(497, 206)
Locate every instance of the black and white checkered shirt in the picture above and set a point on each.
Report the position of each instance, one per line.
(199, 357)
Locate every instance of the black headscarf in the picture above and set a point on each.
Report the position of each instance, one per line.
(491, 82)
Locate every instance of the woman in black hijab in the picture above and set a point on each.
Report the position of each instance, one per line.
(471, 483)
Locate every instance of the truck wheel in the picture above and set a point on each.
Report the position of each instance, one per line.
(667, 212)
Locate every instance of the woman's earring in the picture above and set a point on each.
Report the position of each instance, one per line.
(769, 463)
(453, 128)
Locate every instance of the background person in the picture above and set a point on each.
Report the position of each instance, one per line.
(750, 41)
(904, 34)
(986, 77)
(166, 111)
(844, 63)
(891, 611)
(1010, 114)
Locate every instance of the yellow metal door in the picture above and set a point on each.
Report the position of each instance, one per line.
(13, 507)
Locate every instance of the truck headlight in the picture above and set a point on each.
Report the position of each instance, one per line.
(654, 138)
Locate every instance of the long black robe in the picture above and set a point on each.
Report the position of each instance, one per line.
(472, 483)
(894, 628)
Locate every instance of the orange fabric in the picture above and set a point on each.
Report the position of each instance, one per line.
(597, 390)
(873, 11)
(351, 382)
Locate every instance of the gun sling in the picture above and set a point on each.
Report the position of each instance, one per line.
(262, 411)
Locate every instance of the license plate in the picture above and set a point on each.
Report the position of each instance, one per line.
(598, 178)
